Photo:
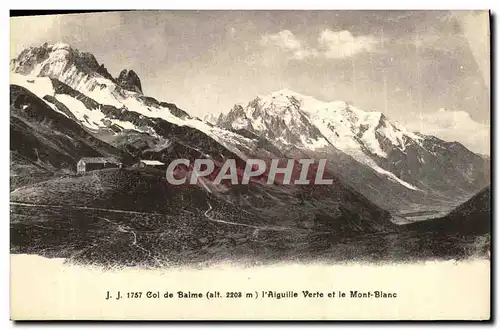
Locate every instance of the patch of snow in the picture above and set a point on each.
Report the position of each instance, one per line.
(135, 105)
(239, 123)
(370, 121)
(151, 162)
(126, 125)
(59, 45)
(314, 144)
(53, 107)
(339, 124)
(89, 118)
(393, 177)
(396, 133)
(40, 86)
(282, 139)
(258, 124)
(222, 136)
(96, 87)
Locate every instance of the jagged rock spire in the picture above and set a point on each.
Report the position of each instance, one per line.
(130, 81)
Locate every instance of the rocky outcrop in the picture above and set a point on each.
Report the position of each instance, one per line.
(130, 81)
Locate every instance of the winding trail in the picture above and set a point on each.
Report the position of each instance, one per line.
(127, 229)
(78, 207)
(257, 228)
(120, 227)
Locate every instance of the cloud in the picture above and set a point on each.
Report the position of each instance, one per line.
(340, 44)
(451, 125)
(284, 39)
(287, 41)
(330, 44)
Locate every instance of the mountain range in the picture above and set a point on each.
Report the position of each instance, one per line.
(65, 106)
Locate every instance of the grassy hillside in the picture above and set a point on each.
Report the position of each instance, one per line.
(328, 208)
(471, 218)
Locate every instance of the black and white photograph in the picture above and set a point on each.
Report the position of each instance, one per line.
(167, 141)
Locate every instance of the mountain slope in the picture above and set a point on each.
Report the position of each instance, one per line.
(49, 139)
(399, 170)
(339, 210)
(470, 218)
(425, 168)
(330, 208)
(74, 88)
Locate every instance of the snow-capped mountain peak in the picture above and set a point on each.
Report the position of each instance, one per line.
(75, 85)
(384, 156)
(52, 60)
(79, 70)
(340, 123)
(290, 118)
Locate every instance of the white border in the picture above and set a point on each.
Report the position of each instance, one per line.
(266, 4)
(218, 4)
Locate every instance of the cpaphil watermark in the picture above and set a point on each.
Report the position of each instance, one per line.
(283, 171)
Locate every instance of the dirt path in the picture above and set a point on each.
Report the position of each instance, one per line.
(206, 213)
(257, 228)
(127, 229)
(81, 208)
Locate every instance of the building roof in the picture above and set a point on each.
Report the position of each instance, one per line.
(100, 160)
(151, 162)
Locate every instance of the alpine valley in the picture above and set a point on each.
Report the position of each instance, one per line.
(66, 106)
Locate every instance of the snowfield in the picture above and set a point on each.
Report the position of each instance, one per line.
(341, 125)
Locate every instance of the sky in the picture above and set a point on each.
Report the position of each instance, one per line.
(428, 70)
